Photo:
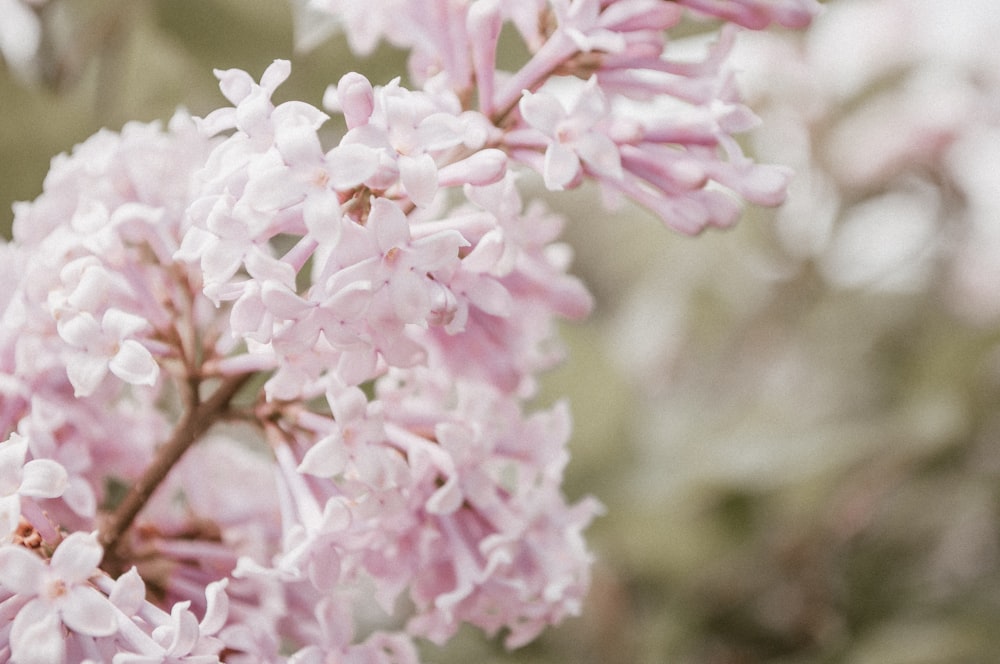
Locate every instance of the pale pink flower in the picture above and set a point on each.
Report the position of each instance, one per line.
(59, 596)
(368, 318)
(575, 139)
(184, 639)
(38, 478)
(108, 345)
(20, 35)
(580, 20)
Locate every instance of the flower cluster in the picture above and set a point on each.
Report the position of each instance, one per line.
(254, 386)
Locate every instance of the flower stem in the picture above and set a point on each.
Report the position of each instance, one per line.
(196, 421)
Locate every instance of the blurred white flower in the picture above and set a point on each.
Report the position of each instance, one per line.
(20, 34)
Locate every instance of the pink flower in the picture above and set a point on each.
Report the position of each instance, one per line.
(38, 478)
(398, 275)
(58, 596)
(105, 346)
(574, 136)
(185, 639)
(20, 35)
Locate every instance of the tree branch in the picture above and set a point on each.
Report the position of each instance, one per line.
(196, 421)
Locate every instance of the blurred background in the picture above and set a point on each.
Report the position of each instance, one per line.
(793, 424)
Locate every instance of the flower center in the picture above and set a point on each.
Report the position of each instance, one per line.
(54, 589)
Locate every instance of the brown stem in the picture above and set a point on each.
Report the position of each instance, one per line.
(196, 421)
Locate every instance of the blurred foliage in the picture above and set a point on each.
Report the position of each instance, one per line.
(793, 471)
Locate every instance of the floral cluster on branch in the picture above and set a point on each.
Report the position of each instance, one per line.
(252, 384)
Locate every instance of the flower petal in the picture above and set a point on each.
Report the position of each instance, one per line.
(85, 372)
(43, 478)
(600, 153)
(419, 176)
(36, 636)
(321, 212)
(186, 630)
(217, 609)
(12, 452)
(542, 111)
(10, 516)
(134, 364)
(77, 557)
(20, 570)
(80, 331)
(129, 592)
(562, 166)
(327, 458)
(389, 224)
(350, 165)
(121, 324)
(87, 611)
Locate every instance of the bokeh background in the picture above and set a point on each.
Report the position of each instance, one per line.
(793, 424)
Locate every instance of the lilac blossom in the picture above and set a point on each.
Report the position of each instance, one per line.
(55, 596)
(275, 380)
(37, 478)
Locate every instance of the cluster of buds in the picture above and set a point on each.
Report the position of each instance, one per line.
(254, 386)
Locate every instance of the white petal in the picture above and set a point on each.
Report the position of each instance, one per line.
(482, 168)
(80, 331)
(134, 364)
(264, 267)
(326, 458)
(185, 630)
(446, 499)
(491, 296)
(20, 34)
(85, 373)
(12, 452)
(419, 176)
(321, 212)
(20, 570)
(272, 189)
(91, 289)
(282, 302)
(561, 166)
(43, 478)
(590, 106)
(275, 74)
(389, 224)
(77, 557)
(235, 84)
(410, 296)
(542, 111)
(350, 165)
(217, 609)
(87, 611)
(121, 324)
(129, 592)
(10, 516)
(600, 153)
(440, 131)
(297, 141)
(36, 637)
(351, 301)
(79, 495)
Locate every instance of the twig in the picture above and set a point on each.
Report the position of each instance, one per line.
(196, 421)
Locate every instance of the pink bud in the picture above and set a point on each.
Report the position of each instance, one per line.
(357, 99)
(483, 168)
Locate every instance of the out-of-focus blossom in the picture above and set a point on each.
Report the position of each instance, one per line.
(20, 34)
